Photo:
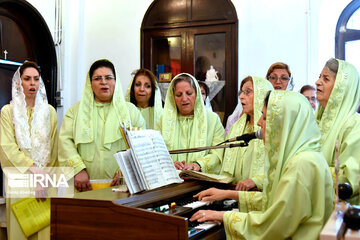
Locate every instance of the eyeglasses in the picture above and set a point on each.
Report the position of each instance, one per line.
(107, 78)
(282, 79)
(246, 92)
(311, 98)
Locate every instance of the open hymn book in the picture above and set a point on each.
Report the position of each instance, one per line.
(147, 163)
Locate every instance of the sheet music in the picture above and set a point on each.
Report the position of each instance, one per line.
(147, 164)
(137, 168)
(163, 156)
(153, 157)
(127, 167)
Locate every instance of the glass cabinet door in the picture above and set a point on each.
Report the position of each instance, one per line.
(164, 51)
(209, 52)
(166, 55)
(194, 50)
(190, 36)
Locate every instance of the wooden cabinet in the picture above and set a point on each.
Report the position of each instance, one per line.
(190, 36)
(104, 214)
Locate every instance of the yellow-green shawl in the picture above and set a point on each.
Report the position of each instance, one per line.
(261, 86)
(170, 121)
(339, 121)
(297, 195)
(84, 122)
(290, 129)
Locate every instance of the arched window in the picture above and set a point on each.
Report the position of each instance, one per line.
(347, 35)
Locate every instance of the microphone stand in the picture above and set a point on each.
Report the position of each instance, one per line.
(199, 149)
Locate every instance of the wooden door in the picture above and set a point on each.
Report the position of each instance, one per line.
(190, 36)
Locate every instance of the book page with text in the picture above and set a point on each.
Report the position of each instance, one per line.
(150, 151)
(128, 169)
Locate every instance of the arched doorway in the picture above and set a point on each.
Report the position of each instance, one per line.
(24, 35)
(190, 36)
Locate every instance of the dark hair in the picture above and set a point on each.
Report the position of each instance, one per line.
(184, 78)
(266, 100)
(205, 86)
(333, 65)
(245, 80)
(101, 63)
(306, 88)
(29, 64)
(147, 73)
(277, 65)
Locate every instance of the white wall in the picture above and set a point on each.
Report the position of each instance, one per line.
(93, 30)
(298, 32)
(272, 31)
(47, 10)
(327, 20)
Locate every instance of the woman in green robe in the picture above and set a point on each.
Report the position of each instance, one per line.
(297, 198)
(144, 93)
(246, 164)
(28, 138)
(338, 93)
(186, 124)
(90, 133)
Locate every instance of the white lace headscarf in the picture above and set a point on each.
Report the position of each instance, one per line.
(34, 139)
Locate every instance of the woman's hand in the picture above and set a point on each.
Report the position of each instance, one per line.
(245, 185)
(207, 215)
(213, 194)
(179, 165)
(82, 182)
(40, 192)
(192, 166)
(115, 180)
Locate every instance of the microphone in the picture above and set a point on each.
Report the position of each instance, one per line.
(246, 137)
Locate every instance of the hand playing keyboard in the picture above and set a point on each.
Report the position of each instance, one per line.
(196, 227)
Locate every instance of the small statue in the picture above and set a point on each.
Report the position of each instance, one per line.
(211, 75)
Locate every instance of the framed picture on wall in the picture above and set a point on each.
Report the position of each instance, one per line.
(165, 77)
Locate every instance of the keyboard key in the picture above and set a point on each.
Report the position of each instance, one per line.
(197, 204)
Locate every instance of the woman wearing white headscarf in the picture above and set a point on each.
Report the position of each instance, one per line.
(144, 93)
(28, 135)
(90, 134)
(186, 124)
